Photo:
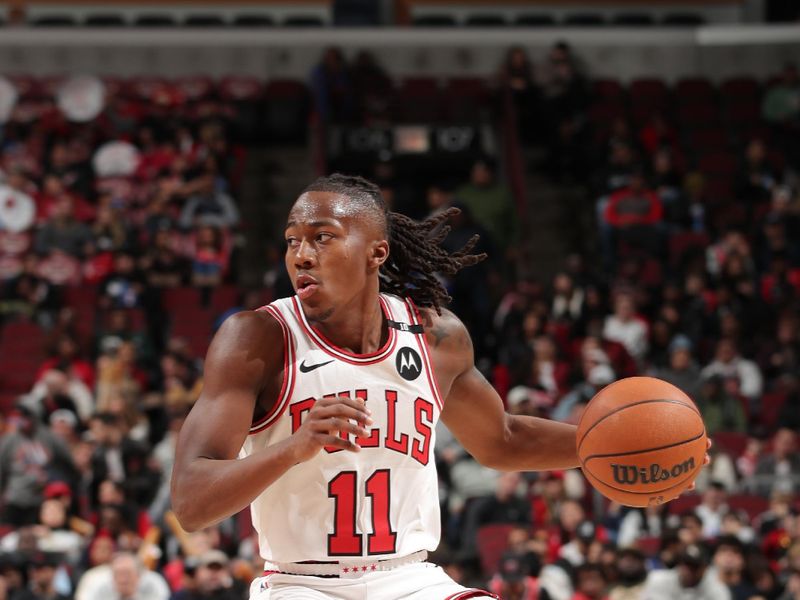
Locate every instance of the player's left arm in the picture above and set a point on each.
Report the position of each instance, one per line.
(474, 412)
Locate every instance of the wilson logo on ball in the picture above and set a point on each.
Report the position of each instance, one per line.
(632, 474)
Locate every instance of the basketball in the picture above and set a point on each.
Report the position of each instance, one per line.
(641, 441)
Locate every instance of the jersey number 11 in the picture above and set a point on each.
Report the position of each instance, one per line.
(345, 540)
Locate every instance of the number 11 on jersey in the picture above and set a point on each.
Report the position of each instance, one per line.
(345, 540)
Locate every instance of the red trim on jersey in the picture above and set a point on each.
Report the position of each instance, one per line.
(287, 386)
(340, 353)
(414, 315)
(471, 593)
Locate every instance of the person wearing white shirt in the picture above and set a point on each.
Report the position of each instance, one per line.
(626, 328)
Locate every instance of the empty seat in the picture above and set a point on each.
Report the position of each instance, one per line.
(534, 20)
(633, 19)
(155, 21)
(771, 405)
(610, 90)
(55, 21)
(285, 116)
(686, 244)
(694, 89)
(697, 115)
(486, 20)
(718, 164)
(253, 21)
(204, 21)
(105, 20)
(585, 20)
(683, 19)
(649, 90)
(731, 443)
(465, 98)
(751, 504)
(739, 89)
(434, 21)
(704, 140)
(303, 21)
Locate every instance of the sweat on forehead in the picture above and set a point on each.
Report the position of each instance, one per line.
(313, 206)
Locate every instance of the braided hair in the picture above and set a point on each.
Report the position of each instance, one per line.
(415, 254)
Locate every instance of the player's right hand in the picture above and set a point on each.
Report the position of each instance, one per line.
(324, 422)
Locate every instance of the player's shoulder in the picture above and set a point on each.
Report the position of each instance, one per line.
(254, 330)
(445, 331)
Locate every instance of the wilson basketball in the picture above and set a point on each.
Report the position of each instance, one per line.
(641, 441)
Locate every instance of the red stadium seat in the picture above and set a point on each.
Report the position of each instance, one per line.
(684, 503)
(740, 89)
(719, 164)
(492, 542)
(651, 89)
(650, 545)
(731, 443)
(718, 191)
(609, 90)
(698, 115)
(705, 140)
(771, 405)
(693, 90)
(751, 504)
(681, 244)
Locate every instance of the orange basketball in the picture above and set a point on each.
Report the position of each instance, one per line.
(641, 441)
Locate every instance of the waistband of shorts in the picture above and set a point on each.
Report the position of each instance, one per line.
(344, 569)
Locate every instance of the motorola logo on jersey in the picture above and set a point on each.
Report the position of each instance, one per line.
(408, 363)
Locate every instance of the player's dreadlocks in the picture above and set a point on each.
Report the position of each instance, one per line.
(415, 256)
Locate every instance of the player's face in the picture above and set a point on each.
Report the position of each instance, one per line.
(332, 249)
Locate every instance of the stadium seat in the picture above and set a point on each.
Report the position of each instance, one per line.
(303, 21)
(492, 542)
(485, 20)
(684, 503)
(465, 98)
(240, 88)
(751, 504)
(204, 21)
(649, 90)
(731, 443)
(253, 21)
(694, 90)
(286, 113)
(742, 114)
(697, 115)
(633, 19)
(55, 21)
(719, 164)
(771, 405)
(534, 20)
(434, 21)
(195, 88)
(155, 21)
(708, 140)
(649, 545)
(178, 299)
(608, 90)
(584, 20)
(740, 89)
(685, 244)
(105, 20)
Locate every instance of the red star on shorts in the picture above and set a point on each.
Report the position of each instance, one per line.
(374, 567)
(364, 568)
(346, 570)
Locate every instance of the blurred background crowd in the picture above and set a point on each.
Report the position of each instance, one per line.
(131, 226)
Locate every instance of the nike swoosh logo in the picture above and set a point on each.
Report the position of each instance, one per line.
(304, 368)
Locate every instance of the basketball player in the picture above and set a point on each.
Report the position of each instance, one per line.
(319, 410)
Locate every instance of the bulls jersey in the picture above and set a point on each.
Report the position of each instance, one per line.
(380, 502)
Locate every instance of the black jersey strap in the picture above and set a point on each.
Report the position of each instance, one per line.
(415, 329)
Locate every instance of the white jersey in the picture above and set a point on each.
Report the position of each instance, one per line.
(380, 502)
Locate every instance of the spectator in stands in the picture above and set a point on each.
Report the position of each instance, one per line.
(722, 411)
(792, 586)
(124, 286)
(682, 371)
(41, 579)
(712, 509)
(516, 78)
(692, 575)
(490, 203)
(334, 95)
(633, 215)
(631, 575)
(210, 260)
(28, 293)
(372, 86)
(729, 561)
(213, 580)
(62, 231)
(780, 469)
(625, 327)
(514, 579)
(109, 230)
(30, 455)
(781, 109)
(657, 136)
(126, 580)
(598, 375)
(616, 173)
(756, 180)
(639, 523)
(56, 389)
(668, 184)
(568, 299)
(590, 582)
(728, 363)
(209, 206)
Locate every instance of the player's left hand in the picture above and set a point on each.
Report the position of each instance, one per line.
(706, 462)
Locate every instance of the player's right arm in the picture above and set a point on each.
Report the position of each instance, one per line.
(245, 359)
